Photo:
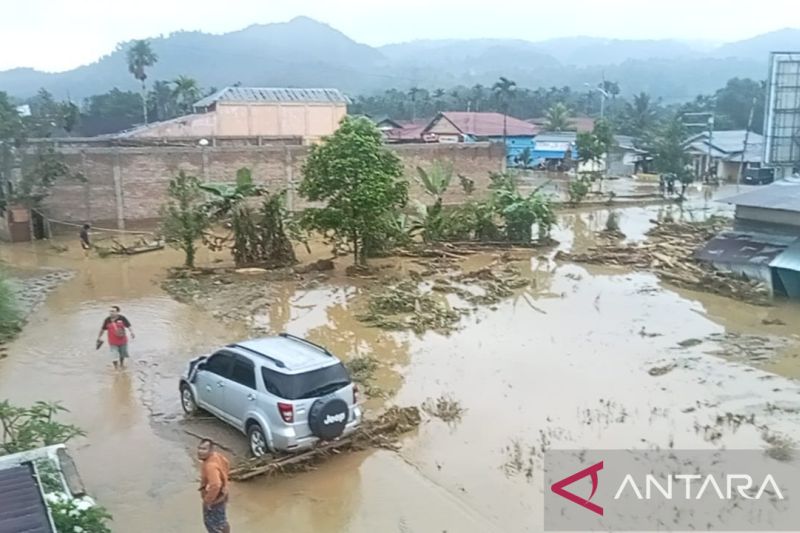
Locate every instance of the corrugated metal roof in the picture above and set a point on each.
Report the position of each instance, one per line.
(783, 194)
(21, 505)
(556, 136)
(729, 141)
(739, 248)
(789, 259)
(273, 94)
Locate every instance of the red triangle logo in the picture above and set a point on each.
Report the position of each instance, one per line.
(558, 487)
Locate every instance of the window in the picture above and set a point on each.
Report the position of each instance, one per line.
(307, 385)
(244, 373)
(219, 364)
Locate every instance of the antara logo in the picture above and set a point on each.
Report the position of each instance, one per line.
(558, 488)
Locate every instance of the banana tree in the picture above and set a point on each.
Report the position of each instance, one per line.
(226, 196)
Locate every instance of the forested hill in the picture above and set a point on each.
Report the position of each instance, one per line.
(304, 52)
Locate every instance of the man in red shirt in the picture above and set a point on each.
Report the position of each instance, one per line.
(116, 326)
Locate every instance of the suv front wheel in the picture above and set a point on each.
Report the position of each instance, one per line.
(258, 442)
(187, 400)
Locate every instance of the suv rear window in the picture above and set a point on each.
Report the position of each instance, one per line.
(307, 385)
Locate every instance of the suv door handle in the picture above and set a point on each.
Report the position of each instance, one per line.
(220, 384)
(251, 397)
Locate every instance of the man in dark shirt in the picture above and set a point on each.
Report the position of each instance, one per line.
(84, 235)
(116, 326)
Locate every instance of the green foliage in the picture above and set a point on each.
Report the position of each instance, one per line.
(557, 117)
(39, 174)
(140, 56)
(77, 515)
(731, 105)
(185, 93)
(437, 179)
(520, 212)
(10, 315)
(260, 236)
(28, 428)
(226, 196)
(592, 147)
(669, 155)
(577, 190)
(184, 218)
(471, 221)
(359, 181)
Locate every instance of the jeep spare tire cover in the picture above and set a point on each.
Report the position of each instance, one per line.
(328, 417)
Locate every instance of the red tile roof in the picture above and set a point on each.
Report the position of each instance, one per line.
(488, 124)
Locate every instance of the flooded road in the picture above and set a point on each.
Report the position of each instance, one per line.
(574, 370)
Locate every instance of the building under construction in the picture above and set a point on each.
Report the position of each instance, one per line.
(782, 117)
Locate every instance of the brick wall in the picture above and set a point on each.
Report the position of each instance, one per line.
(126, 186)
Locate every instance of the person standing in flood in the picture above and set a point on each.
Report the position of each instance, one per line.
(214, 487)
(84, 236)
(116, 326)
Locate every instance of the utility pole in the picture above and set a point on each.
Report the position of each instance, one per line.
(746, 138)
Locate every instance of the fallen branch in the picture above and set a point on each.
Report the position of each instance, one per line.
(380, 433)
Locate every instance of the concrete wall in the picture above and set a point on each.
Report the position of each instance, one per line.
(126, 186)
(310, 121)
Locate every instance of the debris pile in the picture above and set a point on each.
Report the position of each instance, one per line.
(420, 305)
(382, 432)
(669, 253)
(444, 408)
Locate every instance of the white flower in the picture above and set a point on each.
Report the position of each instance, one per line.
(74, 513)
(84, 503)
(78, 529)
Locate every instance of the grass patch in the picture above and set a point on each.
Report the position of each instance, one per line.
(10, 313)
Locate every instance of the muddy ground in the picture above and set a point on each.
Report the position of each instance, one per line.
(583, 356)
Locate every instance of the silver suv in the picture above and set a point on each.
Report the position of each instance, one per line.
(285, 393)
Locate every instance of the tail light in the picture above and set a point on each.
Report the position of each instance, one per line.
(355, 394)
(287, 412)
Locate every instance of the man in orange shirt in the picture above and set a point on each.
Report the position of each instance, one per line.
(213, 487)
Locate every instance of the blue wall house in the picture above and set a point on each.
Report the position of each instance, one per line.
(765, 241)
(466, 127)
(551, 148)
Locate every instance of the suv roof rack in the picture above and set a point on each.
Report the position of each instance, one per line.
(278, 362)
(306, 341)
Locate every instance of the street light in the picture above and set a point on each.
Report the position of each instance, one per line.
(603, 95)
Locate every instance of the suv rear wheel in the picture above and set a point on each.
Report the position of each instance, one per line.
(187, 400)
(258, 442)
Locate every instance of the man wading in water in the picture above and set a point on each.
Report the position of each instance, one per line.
(213, 487)
(116, 326)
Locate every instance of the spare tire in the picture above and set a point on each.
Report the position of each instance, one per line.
(327, 417)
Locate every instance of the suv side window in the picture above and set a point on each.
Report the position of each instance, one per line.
(244, 373)
(219, 364)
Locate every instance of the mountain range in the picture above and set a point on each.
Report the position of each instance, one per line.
(307, 53)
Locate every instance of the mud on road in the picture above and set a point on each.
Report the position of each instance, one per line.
(567, 365)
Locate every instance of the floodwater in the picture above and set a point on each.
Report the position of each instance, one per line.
(570, 371)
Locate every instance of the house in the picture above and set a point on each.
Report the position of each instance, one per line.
(765, 241)
(725, 151)
(28, 480)
(624, 158)
(551, 149)
(404, 131)
(460, 126)
(255, 112)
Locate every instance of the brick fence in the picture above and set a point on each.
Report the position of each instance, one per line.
(126, 186)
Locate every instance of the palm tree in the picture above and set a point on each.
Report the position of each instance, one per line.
(141, 56)
(162, 100)
(641, 114)
(186, 93)
(557, 117)
(413, 92)
(504, 90)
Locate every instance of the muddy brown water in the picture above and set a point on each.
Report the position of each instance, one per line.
(570, 373)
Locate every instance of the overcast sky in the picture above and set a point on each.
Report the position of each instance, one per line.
(62, 34)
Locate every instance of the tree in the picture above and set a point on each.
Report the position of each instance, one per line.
(504, 91)
(186, 93)
(640, 115)
(140, 57)
(110, 112)
(28, 428)
(161, 101)
(435, 181)
(226, 196)
(183, 218)
(359, 180)
(669, 155)
(557, 118)
(734, 101)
